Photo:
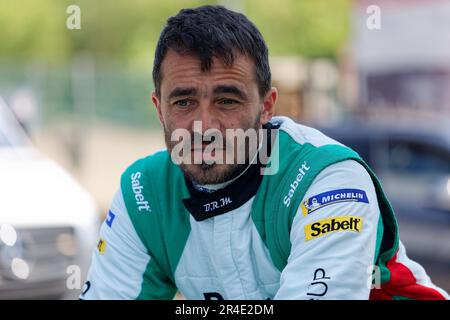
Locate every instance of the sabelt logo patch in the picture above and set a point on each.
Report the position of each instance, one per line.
(335, 224)
(138, 192)
(331, 197)
(101, 246)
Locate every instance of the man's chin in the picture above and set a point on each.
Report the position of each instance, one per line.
(211, 173)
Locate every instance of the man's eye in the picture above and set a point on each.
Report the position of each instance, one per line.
(227, 101)
(182, 103)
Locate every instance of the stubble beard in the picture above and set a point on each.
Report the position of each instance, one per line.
(207, 173)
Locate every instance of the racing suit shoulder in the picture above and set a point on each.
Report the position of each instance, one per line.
(300, 153)
(333, 237)
(323, 161)
(153, 189)
(121, 266)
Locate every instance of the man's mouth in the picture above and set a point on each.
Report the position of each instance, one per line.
(207, 154)
(199, 148)
(204, 146)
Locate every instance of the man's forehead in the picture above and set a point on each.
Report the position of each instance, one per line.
(184, 67)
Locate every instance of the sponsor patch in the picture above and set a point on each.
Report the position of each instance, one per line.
(331, 197)
(137, 188)
(110, 218)
(302, 171)
(326, 226)
(101, 246)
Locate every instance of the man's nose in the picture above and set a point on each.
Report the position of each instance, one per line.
(207, 116)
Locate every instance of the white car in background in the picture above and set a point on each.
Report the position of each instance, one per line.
(48, 222)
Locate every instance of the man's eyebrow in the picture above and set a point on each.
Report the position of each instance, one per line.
(230, 89)
(182, 92)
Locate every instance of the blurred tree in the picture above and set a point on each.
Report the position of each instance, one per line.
(127, 31)
(123, 30)
(33, 29)
(301, 27)
(118, 39)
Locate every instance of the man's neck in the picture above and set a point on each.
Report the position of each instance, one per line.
(214, 187)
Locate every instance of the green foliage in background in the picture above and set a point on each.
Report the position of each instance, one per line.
(310, 28)
(33, 29)
(119, 37)
(127, 30)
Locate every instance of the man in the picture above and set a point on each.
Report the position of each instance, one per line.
(311, 223)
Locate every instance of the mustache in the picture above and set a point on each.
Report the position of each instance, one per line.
(197, 140)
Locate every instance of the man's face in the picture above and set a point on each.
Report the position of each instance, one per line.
(225, 97)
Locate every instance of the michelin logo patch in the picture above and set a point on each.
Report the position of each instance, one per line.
(331, 197)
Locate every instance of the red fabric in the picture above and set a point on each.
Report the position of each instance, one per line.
(403, 283)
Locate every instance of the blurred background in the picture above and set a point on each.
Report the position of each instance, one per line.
(75, 111)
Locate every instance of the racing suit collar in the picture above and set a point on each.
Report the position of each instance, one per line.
(203, 205)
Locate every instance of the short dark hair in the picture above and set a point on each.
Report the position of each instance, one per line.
(213, 31)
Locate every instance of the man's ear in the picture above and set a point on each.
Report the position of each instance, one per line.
(157, 102)
(269, 105)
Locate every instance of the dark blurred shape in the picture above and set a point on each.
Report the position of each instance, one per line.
(403, 67)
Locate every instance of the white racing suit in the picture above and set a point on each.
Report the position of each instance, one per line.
(319, 228)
